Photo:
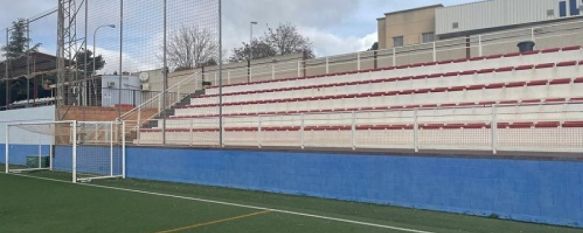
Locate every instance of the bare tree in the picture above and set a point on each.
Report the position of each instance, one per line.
(286, 39)
(191, 47)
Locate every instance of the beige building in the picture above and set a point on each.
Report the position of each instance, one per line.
(406, 27)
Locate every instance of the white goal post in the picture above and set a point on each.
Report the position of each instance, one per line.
(88, 150)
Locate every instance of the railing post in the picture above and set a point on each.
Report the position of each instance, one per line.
(259, 131)
(532, 37)
(250, 74)
(353, 130)
(434, 51)
(228, 77)
(138, 137)
(480, 49)
(302, 126)
(272, 71)
(358, 61)
(191, 132)
(416, 131)
(159, 105)
(494, 129)
(299, 68)
(394, 56)
(327, 65)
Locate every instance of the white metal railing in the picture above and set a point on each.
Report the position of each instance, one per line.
(546, 36)
(164, 100)
(479, 128)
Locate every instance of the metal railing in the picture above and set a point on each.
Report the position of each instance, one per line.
(524, 128)
(545, 36)
(163, 101)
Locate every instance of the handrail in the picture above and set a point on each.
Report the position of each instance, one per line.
(158, 97)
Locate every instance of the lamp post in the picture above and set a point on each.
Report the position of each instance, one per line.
(94, 41)
(251, 24)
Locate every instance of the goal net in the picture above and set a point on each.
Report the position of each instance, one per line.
(86, 150)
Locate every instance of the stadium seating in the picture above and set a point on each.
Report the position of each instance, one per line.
(446, 105)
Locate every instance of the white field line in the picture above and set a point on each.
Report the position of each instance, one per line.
(234, 205)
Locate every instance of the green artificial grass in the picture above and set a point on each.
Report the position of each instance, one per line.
(33, 205)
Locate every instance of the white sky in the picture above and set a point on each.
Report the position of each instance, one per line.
(333, 26)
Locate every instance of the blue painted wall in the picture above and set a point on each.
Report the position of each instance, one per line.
(537, 191)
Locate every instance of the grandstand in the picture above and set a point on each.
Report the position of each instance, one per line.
(532, 98)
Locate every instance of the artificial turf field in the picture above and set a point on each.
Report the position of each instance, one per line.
(48, 202)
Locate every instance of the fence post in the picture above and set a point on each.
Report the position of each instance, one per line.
(327, 65)
(480, 49)
(259, 131)
(250, 74)
(358, 61)
(353, 130)
(494, 129)
(416, 131)
(434, 51)
(222, 130)
(302, 126)
(394, 56)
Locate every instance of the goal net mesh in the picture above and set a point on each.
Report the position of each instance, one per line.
(87, 150)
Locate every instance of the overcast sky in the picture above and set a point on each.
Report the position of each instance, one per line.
(333, 26)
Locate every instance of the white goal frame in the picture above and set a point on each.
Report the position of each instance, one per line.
(109, 133)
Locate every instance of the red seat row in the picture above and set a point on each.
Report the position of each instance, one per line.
(561, 81)
(428, 126)
(545, 51)
(575, 100)
(406, 78)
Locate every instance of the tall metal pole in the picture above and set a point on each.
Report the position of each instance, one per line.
(250, 50)
(120, 58)
(84, 83)
(7, 82)
(165, 79)
(220, 74)
(27, 61)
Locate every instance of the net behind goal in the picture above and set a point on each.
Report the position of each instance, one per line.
(86, 150)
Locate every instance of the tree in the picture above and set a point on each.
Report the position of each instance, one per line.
(191, 47)
(260, 50)
(374, 47)
(286, 39)
(18, 44)
(80, 61)
(283, 40)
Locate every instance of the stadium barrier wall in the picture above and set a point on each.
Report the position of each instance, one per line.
(526, 190)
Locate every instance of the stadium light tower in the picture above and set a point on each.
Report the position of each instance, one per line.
(95, 39)
(251, 24)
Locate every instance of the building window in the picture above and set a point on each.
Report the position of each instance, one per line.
(398, 41)
(563, 9)
(574, 10)
(427, 37)
(455, 25)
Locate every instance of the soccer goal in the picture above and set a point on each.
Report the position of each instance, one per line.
(86, 150)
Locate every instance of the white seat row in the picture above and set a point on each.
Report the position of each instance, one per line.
(414, 84)
(439, 98)
(518, 113)
(554, 57)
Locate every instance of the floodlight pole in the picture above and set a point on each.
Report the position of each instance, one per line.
(221, 144)
(250, 50)
(6, 79)
(120, 58)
